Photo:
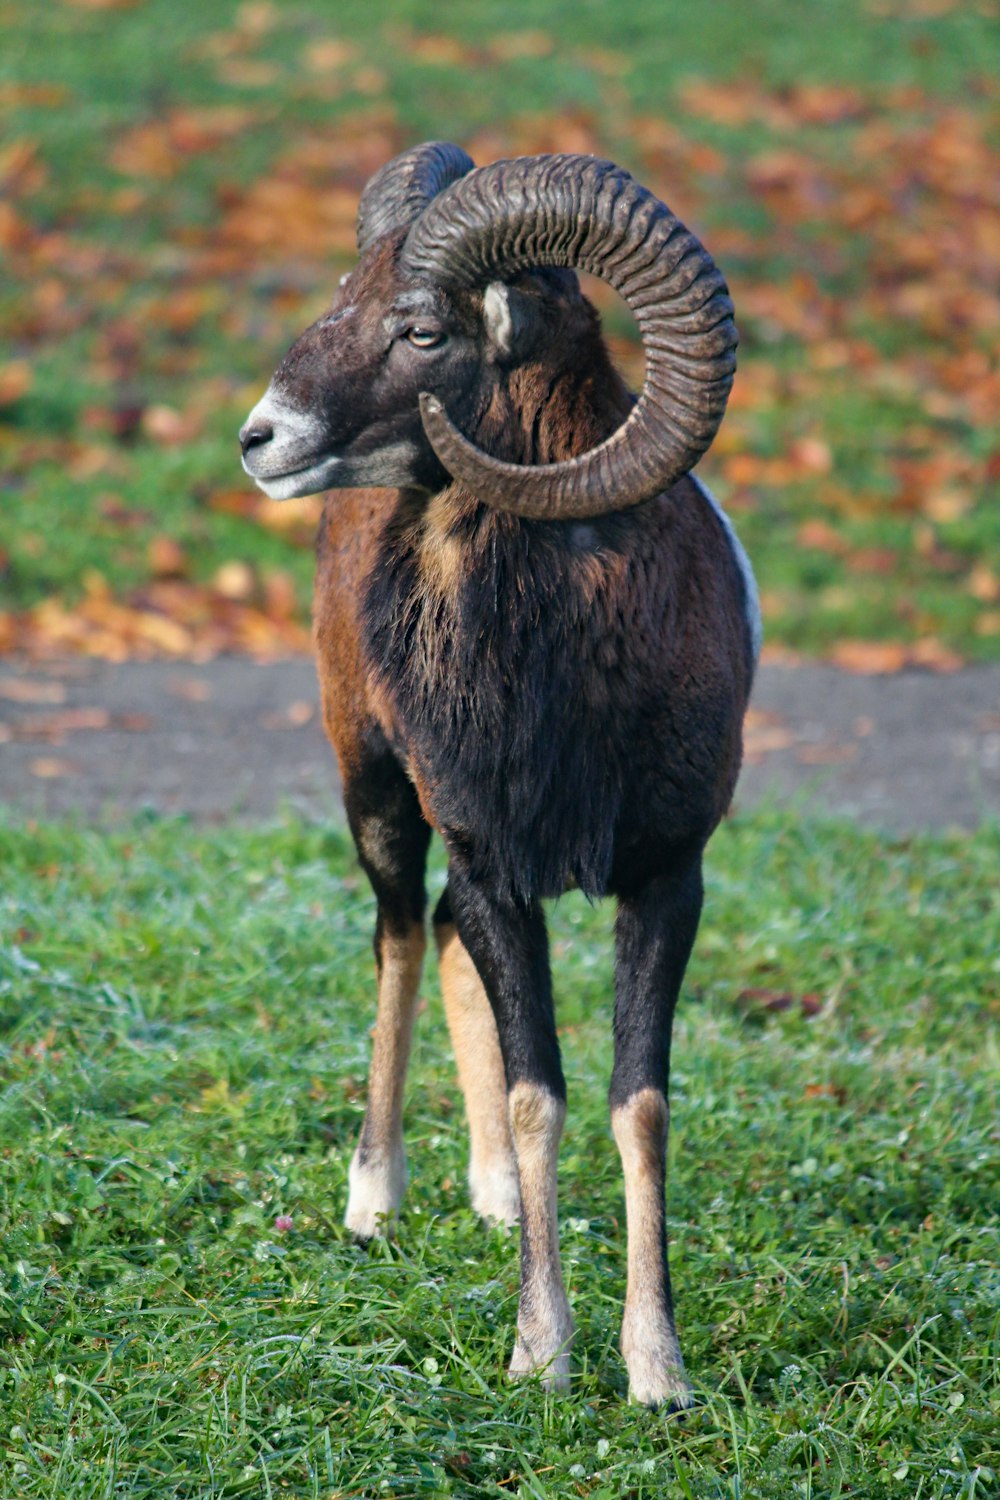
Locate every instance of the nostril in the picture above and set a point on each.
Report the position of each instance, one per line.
(253, 437)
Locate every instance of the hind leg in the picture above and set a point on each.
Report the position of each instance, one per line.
(655, 933)
(391, 838)
(493, 1184)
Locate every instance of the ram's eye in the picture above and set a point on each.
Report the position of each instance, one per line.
(424, 338)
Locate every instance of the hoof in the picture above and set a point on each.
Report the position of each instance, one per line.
(376, 1191)
(496, 1196)
(553, 1371)
(659, 1385)
(656, 1374)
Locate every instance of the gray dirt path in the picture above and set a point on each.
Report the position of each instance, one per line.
(234, 739)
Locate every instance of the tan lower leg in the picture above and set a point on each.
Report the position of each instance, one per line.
(378, 1169)
(493, 1184)
(544, 1321)
(649, 1339)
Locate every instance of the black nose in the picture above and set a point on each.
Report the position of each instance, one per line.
(252, 437)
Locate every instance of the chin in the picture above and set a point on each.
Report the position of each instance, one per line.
(313, 480)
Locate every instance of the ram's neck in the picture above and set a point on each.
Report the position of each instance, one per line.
(540, 414)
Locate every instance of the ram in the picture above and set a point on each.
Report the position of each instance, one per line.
(536, 635)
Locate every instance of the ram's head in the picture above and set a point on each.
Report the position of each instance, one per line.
(466, 275)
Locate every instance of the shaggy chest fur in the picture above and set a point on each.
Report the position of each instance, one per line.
(525, 666)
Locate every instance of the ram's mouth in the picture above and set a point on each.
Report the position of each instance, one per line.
(290, 484)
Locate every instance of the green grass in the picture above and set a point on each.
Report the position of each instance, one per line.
(186, 1022)
(145, 262)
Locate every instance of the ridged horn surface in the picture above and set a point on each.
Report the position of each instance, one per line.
(586, 213)
(401, 190)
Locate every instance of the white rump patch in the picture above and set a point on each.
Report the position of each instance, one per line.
(754, 622)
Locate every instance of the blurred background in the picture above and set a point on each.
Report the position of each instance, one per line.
(178, 185)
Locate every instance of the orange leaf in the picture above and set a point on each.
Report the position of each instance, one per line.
(327, 53)
(234, 580)
(169, 427)
(825, 753)
(821, 536)
(874, 657)
(48, 767)
(15, 379)
(166, 558)
(24, 690)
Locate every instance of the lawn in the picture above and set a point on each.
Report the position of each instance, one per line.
(178, 188)
(185, 1014)
(186, 1017)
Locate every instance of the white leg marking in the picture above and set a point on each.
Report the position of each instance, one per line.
(649, 1338)
(376, 1191)
(377, 1174)
(493, 1183)
(544, 1320)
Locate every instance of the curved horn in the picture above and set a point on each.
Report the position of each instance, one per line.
(401, 190)
(586, 213)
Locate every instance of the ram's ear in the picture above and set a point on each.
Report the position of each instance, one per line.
(509, 317)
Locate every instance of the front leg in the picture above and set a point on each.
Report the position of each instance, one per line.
(391, 838)
(507, 941)
(493, 1180)
(655, 933)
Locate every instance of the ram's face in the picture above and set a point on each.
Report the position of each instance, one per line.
(342, 407)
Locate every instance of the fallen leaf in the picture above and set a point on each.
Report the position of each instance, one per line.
(26, 690)
(294, 716)
(33, 95)
(763, 999)
(300, 712)
(824, 1091)
(192, 689)
(302, 511)
(234, 580)
(811, 454)
(170, 427)
(248, 73)
(166, 558)
(48, 767)
(870, 657)
(822, 537)
(15, 381)
(55, 726)
(935, 656)
(257, 17)
(984, 584)
(440, 51)
(508, 46)
(825, 754)
(328, 53)
(112, 508)
(760, 742)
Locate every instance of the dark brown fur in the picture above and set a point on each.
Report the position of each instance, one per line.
(648, 606)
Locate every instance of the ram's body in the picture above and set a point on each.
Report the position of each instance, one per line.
(561, 694)
(560, 697)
